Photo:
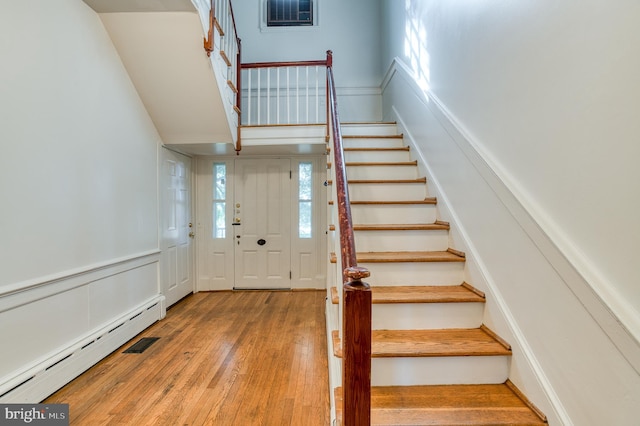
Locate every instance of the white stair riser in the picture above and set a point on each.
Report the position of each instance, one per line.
(439, 370)
(364, 129)
(376, 156)
(414, 273)
(432, 240)
(393, 213)
(382, 172)
(387, 191)
(421, 316)
(372, 143)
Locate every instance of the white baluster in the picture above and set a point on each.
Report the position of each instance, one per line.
(288, 98)
(268, 95)
(258, 95)
(297, 95)
(307, 93)
(278, 95)
(317, 97)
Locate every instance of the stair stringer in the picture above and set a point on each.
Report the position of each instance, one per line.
(524, 370)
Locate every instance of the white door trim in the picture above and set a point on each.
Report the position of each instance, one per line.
(215, 263)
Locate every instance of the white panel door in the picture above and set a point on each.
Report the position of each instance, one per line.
(262, 223)
(176, 227)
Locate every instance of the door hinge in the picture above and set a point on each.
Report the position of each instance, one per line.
(290, 174)
(289, 274)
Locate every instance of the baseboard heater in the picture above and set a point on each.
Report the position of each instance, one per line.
(39, 382)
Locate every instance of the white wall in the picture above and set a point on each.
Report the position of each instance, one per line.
(78, 178)
(524, 115)
(349, 28)
(549, 93)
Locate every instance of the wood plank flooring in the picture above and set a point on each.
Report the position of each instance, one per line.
(224, 358)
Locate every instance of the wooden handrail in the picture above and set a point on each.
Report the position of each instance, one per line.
(356, 317)
(233, 21)
(284, 64)
(239, 95)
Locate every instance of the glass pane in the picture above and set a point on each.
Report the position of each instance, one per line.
(219, 219)
(304, 222)
(304, 181)
(219, 200)
(219, 181)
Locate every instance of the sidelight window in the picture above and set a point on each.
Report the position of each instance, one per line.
(305, 200)
(219, 200)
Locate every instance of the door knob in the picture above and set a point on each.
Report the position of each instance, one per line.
(191, 234)
(261, 242)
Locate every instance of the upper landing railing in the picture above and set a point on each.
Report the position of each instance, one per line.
(284, 93)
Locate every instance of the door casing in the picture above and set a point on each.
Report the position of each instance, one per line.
(215, 263)
(176, 258)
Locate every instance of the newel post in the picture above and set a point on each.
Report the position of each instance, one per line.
(356, 349)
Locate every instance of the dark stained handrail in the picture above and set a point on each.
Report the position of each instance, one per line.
(356, 317)
(233, 21)
(239, 96)
(284, 64)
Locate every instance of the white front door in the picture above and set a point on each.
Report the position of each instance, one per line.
(176, 227)
(262, 223)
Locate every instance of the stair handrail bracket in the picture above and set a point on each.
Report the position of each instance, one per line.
(356, 294)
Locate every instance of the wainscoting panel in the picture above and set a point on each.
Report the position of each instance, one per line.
(53, 330)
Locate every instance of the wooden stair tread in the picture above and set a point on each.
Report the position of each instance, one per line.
(431, 343)
(428, 200)
(448, 405)
(374, 148)
(378, 163)
(405, 256)
(398, 226)
(367, 123)
(350, 181)
(421, 294)
(400, 136)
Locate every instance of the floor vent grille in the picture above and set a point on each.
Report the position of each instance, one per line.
(141, 345)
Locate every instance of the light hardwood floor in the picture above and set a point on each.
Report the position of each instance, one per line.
(227, 358)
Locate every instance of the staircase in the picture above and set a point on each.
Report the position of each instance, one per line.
(433, 360)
